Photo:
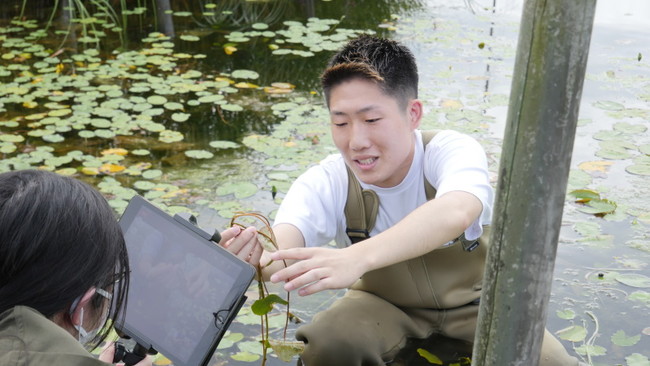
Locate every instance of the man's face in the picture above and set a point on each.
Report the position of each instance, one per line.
(372, 132)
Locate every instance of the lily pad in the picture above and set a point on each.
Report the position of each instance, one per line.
(180, 117)
(221, 144)
(637, 359)
(240, 190)
(567, 314)
(574, 333)
(638, 169)
(591, 349)
(634, 280)
(245, 74)
(151, 174)
(598, 207)
(621, 339)
(609, 105)
(199, 154)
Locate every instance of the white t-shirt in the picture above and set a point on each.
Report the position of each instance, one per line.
(454, 162)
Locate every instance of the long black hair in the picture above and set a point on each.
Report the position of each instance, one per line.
(58, 238)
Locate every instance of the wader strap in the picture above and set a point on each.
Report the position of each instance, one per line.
(362, 206)
(360, 209)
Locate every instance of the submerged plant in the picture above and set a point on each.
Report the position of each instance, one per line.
(266, 301)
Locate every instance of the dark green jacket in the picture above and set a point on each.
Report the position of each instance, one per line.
(27, 338)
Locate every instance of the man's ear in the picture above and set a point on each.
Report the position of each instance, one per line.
(75, 316)
(414, 113)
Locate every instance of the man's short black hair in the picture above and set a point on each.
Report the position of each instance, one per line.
(388, 63)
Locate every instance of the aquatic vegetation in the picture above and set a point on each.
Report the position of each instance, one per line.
(266, 301)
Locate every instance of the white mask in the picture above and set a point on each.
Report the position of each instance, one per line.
(85, 337)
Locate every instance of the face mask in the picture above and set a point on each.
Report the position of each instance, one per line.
(85, 337)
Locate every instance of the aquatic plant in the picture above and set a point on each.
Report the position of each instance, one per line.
(266, 301)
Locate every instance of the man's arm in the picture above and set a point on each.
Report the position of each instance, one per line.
(428, 227)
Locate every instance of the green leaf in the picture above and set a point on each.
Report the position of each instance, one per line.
(199, 154)
(637, 359)
(180, 117)
(574, 333)
(189, 38)
(640, 296)
(609, 105)
(151, 174)
(634, 280)
(245, 357)
(638, 169)
(430, 357)
(621, 339)
(285, 350)
(157, 100)
(245, 74)
(241, 190)
(598, 207)
(265, 305)
(591, 349)
(584, 195)
(230, 339)
(221, 144)
(567, 314)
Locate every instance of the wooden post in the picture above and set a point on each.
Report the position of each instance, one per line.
(545, 96)
(165, 21)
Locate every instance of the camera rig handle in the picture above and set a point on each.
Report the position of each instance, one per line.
(189, 221)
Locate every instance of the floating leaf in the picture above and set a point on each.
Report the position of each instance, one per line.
(430, 357)
(151, 174)
(245, 356)
(584, 195)
(609, 105)
(591, 349)
(241, 190)
(111, 168)
(230, 339)
(638, 169)
(115, 151)
(286, 350)
(598, 207)
(180, 117)
(170, 136)
(265, 305)
(245, 74)
(567, 314)
(199, 154)
(140, 152)
(595, 166)
(640, 296)
(260, 26)
(144, 185)
(189, 38)
(156, 100)
(220, 144)
(232, 107)
(621, 339)
(637, 359)
(634, 280)
(574, 333)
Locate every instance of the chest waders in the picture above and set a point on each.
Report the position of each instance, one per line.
(445, 278)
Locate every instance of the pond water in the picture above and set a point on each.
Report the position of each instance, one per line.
(206, 127)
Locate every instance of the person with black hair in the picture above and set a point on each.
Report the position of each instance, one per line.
(64, 271)
(418, 268)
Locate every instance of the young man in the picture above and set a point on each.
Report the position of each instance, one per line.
(412, 276)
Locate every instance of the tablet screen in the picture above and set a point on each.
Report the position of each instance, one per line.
(178, 282)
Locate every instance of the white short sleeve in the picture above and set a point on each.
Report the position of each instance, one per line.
(457, 162)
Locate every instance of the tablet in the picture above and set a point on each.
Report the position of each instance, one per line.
(184, 289)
